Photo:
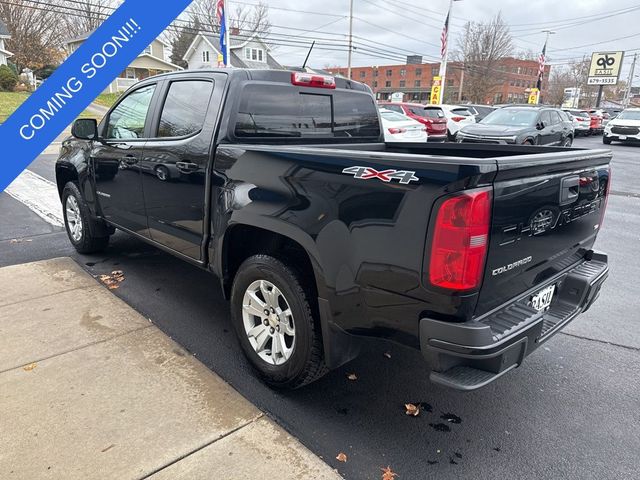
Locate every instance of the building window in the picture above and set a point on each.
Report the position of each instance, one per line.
(387, 83)
(389, 73)
(130, 73)
(418, 72)
(363, 74)
(205, 56)
(416, 83)
(254, 54)
(450, 82)
(402, 83)
(403, 72)
(512, 83)
(375, 84)
(435, 71)
(375, 73)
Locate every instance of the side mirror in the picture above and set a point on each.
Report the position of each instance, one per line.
(540, 125)
(85, 129)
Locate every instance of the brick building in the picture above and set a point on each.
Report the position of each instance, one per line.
(415, 79)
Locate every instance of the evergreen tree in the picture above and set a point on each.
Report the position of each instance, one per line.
(183, 40)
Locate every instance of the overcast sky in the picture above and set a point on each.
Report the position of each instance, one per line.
(403, 27)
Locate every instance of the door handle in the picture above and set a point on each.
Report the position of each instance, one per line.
(130, 159)
(187, 167)
(569, 189)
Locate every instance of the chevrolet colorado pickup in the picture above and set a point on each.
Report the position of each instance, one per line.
(279, 183)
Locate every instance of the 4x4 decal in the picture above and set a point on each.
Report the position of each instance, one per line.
(367, 173)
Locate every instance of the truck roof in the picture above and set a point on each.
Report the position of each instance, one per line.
(267, 75)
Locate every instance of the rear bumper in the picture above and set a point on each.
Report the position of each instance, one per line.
(436, 137)
(467, 356)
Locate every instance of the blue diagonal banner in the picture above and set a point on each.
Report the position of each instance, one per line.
(81, 78)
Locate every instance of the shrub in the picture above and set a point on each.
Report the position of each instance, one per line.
(8, 79)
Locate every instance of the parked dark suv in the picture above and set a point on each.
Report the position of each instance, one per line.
(521, 125)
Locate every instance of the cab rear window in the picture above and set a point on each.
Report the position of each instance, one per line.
(280, 111)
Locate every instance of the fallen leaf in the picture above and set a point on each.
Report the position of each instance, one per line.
(342, 457)
(411, 409)
(388, 474)
(352, 376)
(31, 366)
(112, 280)
(387, 354)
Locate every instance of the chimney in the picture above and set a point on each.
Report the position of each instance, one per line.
(235, 31)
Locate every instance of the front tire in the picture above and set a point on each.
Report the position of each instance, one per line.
(567, 142)
(606, 140)
(77, 221)
(273, 317)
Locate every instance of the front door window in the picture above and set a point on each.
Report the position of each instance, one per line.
(127, 120)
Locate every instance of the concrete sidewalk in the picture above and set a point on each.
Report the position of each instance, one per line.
(91, 389)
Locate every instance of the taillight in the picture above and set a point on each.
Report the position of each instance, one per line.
(457, 119)
(313, 80)
(460, 240)
(606, 198)
(397, 130)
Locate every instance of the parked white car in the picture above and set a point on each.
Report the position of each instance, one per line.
(581, 121)
(458, 116)
(625, 127)
(400, 128)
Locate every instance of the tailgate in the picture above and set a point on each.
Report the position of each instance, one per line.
(547, 212)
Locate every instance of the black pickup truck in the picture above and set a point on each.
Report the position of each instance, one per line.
(279, 183)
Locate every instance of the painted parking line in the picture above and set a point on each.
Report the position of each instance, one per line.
(39, 194)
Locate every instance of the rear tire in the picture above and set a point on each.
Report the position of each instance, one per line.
(77, 221)
(567, 142)
(273, 318)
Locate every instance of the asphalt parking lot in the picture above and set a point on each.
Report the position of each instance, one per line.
(571, 411)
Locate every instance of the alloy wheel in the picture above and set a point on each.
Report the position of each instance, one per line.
(74, 219)
(268, 322)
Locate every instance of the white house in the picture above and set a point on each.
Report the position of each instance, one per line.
(247, 50)
(4, 35)
(152, 61)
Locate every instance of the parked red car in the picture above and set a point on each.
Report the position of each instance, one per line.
(596, 126)
(433, 118)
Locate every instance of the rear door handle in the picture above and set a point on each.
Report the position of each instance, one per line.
(187, 167)
(569, 189)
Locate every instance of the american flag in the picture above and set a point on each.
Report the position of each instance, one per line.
(220, 15)
(445, 36)
(541, 60)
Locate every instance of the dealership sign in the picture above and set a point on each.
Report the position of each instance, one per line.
(436, 91)
(605, 68)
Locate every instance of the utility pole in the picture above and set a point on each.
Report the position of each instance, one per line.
(627, 93)
(350, 38)
(461, 83)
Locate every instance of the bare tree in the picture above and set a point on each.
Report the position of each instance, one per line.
(481, 49)
(86, 15)
(248, 20)
(36, 33)
(558, 81)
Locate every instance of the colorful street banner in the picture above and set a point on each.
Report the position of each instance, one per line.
(436, 91)
(80, 79)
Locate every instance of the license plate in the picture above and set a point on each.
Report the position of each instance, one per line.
(622, 137)
(541, 300)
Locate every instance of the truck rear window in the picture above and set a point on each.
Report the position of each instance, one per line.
(279, 111)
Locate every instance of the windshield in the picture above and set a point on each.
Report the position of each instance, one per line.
(511, 116)
(394, 117)
(629, 115)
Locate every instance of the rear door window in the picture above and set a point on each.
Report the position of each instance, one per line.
(545, 118)
(185, 108)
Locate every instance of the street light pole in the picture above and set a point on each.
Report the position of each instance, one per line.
(350, 38)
